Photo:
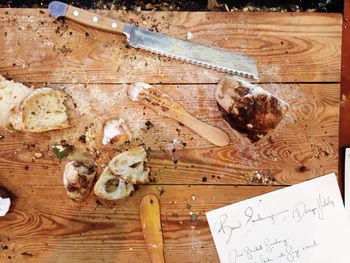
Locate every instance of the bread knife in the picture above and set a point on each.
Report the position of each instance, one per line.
(221, 60)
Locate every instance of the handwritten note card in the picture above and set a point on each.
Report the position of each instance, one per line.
(304, 223)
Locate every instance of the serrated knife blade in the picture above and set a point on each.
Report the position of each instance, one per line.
(221, 60)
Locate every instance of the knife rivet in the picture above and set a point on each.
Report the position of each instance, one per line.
(114, 25)
(94, 19)
(75, 13)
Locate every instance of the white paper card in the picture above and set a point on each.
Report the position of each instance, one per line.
(304, 223)
(347, 181)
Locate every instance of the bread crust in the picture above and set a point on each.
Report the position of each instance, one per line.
(129, 166)
(11, 94)
(121, 191)
(249, 108)
(78, 176)
(18, 115)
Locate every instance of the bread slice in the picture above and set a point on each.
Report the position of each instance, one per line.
(11, 94)
(129, 165)
(110, 187)
(42, 110)
(78, 175)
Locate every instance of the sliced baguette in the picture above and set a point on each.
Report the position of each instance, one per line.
(129, 165)
(11, 94)
(42, 110)
(110, 187)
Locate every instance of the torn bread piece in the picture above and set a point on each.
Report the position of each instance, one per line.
(5, 201)
(129, 165)
(11, 94)
(5, 204)
(116, 132)
(111, 187)
(42, 110)
(78, 176)
(248, 108)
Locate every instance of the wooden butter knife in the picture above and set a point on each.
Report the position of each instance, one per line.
(151, 227)
(164, 105)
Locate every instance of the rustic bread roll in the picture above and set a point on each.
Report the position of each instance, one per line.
(129, 165)
(78, 176)
(249, 108)
(42, 110)
(110, 187)
(11, 94)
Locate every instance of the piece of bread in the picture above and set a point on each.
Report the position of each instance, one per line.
(42, 110)
(129, 165)
(111, 187)
(78, 176)
(6, 197)
(248, 108)
(11, 94)
(116, 132)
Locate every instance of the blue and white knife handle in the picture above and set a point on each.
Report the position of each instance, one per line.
(59, 9)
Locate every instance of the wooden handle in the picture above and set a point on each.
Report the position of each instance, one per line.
(151, 227)
(208, 132)
(93, 20)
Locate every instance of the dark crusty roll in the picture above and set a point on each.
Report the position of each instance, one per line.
(248, 108)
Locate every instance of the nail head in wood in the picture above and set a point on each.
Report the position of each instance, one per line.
(114, 25)
(95, 19)
(75, 13)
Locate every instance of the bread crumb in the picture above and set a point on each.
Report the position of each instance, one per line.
(189, 36)
(38, 155)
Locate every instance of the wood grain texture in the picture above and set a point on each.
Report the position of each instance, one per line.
(303, 146)
(44, 223)
(152, 228)
(288, 47)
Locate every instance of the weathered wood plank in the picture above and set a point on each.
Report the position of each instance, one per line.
(303, 146)
(51, 228)
(289, 47)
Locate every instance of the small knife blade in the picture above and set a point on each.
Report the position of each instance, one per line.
(221, 60)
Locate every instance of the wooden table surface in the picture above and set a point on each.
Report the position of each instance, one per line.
(298, 57)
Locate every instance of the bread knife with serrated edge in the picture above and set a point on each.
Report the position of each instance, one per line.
(221, 60)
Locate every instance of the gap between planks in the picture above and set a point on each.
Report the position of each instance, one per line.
(175, 83)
